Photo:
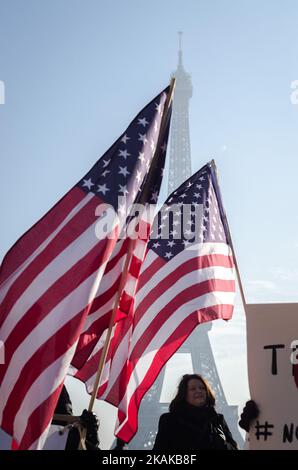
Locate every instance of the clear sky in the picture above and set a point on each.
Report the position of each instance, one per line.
(76, 73)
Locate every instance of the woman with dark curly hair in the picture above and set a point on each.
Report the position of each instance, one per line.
(192, 423)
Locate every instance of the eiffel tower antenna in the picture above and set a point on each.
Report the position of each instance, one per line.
(180, 46)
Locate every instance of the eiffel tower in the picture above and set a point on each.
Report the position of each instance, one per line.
(197, 346)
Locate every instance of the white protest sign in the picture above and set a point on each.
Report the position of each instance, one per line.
(56, 439)
(272, 353)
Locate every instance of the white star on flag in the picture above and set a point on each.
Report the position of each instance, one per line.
(123, 171)
(143, 122)
(124, 153)
(139, 175)
(141, 157)
(158, 108)
(88, 183)
(143, 138)
(125, 138)
(123, 189)
(102, 188)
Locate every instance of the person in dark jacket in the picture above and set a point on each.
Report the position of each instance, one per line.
(192, 423)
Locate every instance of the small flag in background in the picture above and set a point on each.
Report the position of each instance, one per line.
(49, 279)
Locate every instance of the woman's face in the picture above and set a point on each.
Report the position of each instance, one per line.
(196, 393)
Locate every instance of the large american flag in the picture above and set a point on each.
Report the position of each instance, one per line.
(187, 278)
(50, 280)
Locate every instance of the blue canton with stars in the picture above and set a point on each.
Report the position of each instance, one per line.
(192, 214)
(119, 176)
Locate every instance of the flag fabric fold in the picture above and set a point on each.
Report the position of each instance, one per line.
(52, 283)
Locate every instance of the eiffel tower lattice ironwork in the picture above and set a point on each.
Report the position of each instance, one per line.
(197, 345)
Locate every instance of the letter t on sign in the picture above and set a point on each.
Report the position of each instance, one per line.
(274, 348)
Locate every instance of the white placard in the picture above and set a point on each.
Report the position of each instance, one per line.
(272, 348)
(56, 440)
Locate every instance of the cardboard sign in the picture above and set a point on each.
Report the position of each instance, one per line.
(272, 352)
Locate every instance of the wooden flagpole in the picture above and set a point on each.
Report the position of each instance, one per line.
(231, 242)
(109, 333)
(129, 255)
